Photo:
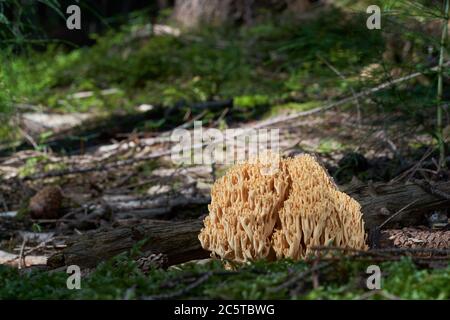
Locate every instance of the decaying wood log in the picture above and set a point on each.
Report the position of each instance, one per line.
(178, 239)
(382, 201)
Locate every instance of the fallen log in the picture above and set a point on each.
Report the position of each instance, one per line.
(178, 239)
(382, 201)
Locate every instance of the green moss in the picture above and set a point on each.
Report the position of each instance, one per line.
(251, 101)
(120, 278)
(293, 106)
(329, 145)
(31, 165)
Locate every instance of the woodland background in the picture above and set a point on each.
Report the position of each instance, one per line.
(86, 117)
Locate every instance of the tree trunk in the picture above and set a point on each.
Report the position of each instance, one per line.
(192, 13)
(179, 239)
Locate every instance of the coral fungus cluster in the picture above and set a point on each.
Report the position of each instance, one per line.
(281, 214)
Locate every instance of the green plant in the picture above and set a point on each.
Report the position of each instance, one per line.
(412, 18)
(30, 166)
(18, 20)
(36, 227)
(329, 145)
(41, 162)
(120, 278)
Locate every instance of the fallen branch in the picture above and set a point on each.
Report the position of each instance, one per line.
(245, 131)
(179, 239)
(433, 189)
(15, 260)
(381, 201)
(294, 280)
(183, 291)
(103, 167)
(352, 98)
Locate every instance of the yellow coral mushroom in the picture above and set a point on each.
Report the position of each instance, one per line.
(254, 215)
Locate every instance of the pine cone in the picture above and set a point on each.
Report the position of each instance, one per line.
(46, 204)
(153, 260)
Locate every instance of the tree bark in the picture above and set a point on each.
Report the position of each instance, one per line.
(179, 239)
(192, 13)
(381, 201)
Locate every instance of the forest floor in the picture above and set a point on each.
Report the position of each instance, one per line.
(107, 185)
(89, 150)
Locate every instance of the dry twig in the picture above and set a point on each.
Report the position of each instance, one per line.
(300, 276)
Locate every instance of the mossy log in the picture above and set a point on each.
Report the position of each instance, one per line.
(179, 239)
